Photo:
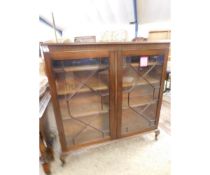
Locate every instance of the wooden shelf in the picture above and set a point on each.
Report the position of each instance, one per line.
(83, 114)
(92, 67)
(90, 106)
(132, 121)
(79, 68)
(143, 90)
(84, 105)
(87, 114)
(86, 137)
(83, 133)
(99, 86)
(138, 101)
(62, 90)
(149, 64)
(142, 82)
(143, 103)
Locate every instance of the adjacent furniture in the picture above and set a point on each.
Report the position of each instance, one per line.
(45, 142)
(105, 91)
(157, 35)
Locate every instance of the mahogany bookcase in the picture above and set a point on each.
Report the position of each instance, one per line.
(105, 91)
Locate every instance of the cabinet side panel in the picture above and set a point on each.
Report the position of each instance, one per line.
(162, 86)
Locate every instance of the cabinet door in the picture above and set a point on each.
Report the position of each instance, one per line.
(140, 75)
(83, 83)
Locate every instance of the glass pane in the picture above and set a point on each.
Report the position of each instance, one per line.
(83, 95)
(141, 84)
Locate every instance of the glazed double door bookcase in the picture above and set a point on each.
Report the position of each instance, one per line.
(105, 91)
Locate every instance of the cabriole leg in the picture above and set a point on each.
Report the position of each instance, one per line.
(62, 159)
(157, 132)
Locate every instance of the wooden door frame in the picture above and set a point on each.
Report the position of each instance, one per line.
(68, 55)
(53, 92)
(119, 75)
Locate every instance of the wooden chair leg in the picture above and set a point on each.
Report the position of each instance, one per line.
(44, 155)
(46, 168)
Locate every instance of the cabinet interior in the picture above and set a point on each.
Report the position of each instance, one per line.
(102, 92)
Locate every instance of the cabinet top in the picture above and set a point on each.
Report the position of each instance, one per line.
(107, 43)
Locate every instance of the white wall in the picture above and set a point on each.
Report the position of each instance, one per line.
(46, 33)
(150, 11)
(92, 17)
(153, 15)
(95, 17)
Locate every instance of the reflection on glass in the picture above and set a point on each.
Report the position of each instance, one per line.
(83, 95)
(141, 83)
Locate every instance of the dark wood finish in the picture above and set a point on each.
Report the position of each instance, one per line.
(107, 43)
(112, 98)
(60, 55)
(115, 52)
(142, 52)
(53, 91)
(164, 52)
(119, 92)
(113, 46)
(43, 152)
(162, 85)
(157, 133)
